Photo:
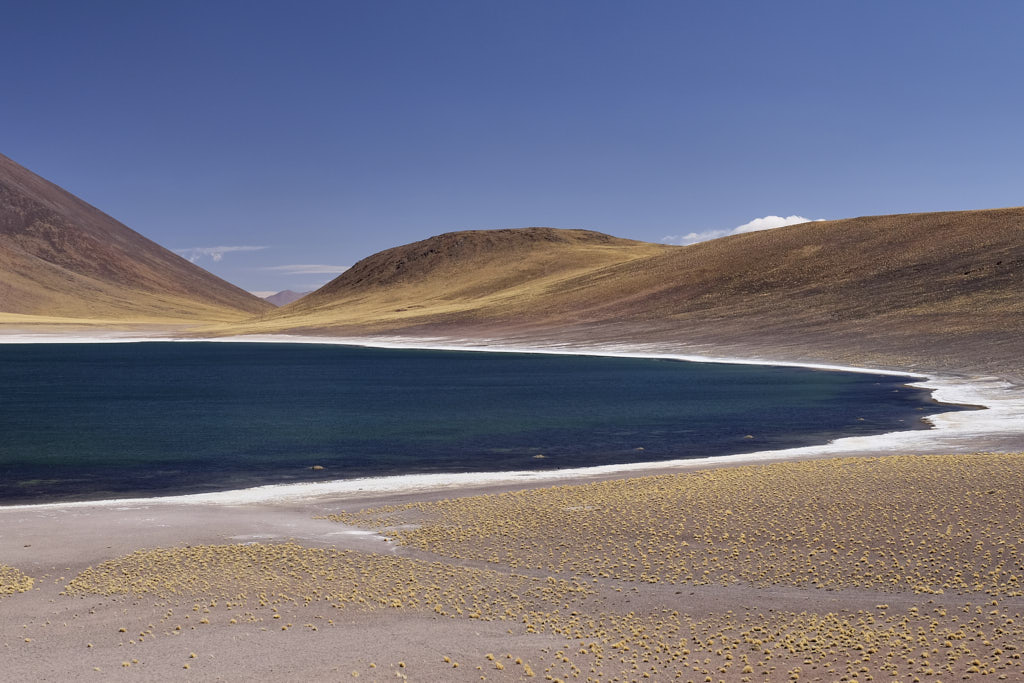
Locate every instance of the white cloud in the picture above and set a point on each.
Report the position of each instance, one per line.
(769, 222)
(308, 269)
(766, 223)
(694, 237)
(193, 254)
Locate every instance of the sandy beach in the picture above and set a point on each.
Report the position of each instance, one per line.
(822, 563)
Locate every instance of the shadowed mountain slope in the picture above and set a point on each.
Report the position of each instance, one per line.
(913, 290)
(61, 257)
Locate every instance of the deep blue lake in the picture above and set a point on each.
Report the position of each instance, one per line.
(95, 421)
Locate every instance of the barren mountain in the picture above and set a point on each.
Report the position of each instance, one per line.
(61, 257)
(472, 275)
(284, 297)
(919, 290)
(930, 290)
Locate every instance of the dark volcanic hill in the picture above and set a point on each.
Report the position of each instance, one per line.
(61, 257)
(915, 290)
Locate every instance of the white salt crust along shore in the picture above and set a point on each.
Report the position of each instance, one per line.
(1002, 419)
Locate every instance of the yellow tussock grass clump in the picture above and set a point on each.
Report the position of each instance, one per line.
(13, 581)
(288, 573)
(927, 524)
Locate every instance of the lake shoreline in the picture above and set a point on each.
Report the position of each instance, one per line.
(203, 633)
(993, 427)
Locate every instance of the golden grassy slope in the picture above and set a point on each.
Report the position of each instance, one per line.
(921, 266)
(61, 257)
(471, 275)
(942, 287)
(928, 291)
(913, 266)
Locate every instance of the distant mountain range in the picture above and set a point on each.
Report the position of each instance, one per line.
(913, 290)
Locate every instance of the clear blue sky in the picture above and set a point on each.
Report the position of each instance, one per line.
(323, 132)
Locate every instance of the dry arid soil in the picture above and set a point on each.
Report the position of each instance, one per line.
(896, 568)
(899, 568)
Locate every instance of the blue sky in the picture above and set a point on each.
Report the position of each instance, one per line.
(307, 135)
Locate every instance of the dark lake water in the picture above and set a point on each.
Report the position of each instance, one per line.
(95, 421)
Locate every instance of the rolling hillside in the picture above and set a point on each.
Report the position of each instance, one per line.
(62, 258)
(475, 275)
(919, 290)
(927, 291)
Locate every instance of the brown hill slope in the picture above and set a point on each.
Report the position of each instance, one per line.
(935, 290)
(920, 290)
(471, 275)
(61, 257)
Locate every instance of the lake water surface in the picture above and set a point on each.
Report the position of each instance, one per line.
(98, 421)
